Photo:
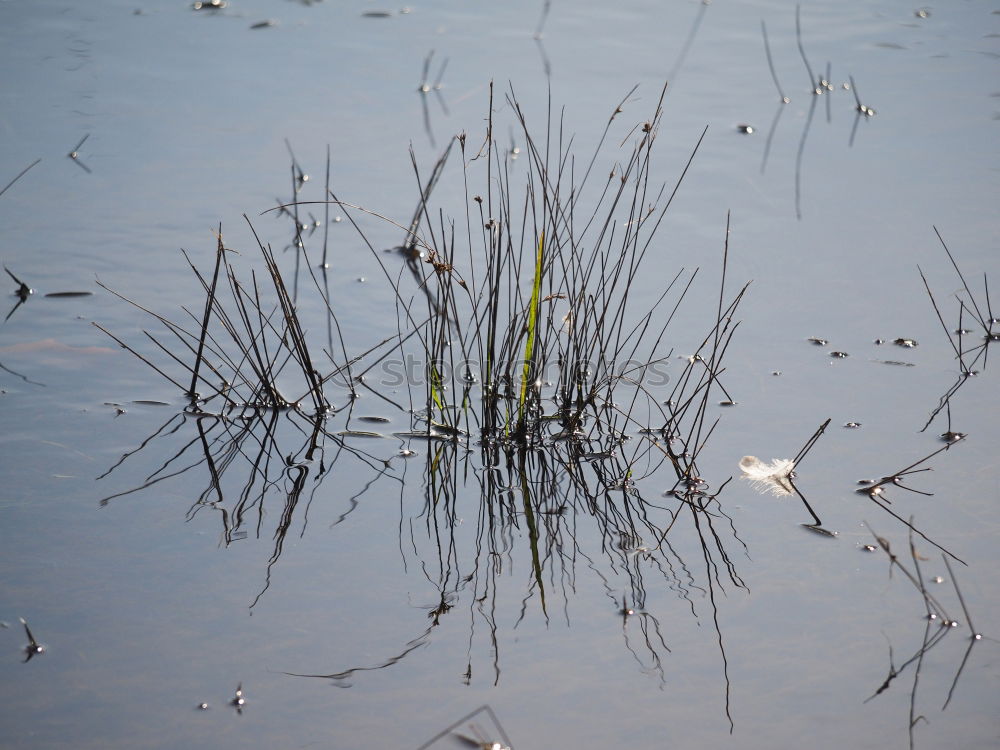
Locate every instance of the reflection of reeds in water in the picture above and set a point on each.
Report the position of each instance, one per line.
(819, 86)
(482, 740)
(937, 625)
(20, 174)
(545, 514)
(246, 457)
(543, 517)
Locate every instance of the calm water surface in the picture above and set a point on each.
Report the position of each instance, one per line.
(152, 603)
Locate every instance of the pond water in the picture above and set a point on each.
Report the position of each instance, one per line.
(365, 597)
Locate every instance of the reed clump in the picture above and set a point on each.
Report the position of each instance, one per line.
(531, 325)
(543, 401)
(243, 350)
(523, 312)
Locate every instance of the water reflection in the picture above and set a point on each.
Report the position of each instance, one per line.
(938, 624)
(688, 42)
(482, 739)
(426, 87)
(245, 458)
(819, 86)
(555, 506)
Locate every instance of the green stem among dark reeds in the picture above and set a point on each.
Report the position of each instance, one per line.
(532, 330)
(575, 323)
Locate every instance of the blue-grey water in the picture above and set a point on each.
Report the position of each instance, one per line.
(147, 608)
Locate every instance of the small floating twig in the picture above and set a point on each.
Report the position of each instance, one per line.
(23, 290)
(239, 699)
(74, 155)
(34, 648)
(876, 494)
(861, 108)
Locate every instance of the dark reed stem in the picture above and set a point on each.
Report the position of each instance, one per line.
(326, 209)
(209, 303)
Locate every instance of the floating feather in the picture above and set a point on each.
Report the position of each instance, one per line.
(774, 477)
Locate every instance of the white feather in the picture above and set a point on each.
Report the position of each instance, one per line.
(567, 322)
(774, 477)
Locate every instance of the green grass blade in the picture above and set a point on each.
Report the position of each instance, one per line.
(529, 345)
(437, 383)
